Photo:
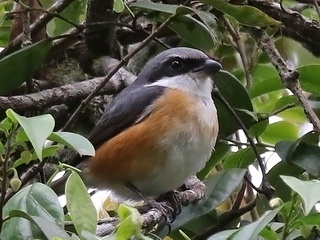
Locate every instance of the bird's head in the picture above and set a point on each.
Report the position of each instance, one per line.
(181, 68)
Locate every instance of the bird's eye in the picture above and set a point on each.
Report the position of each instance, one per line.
(176, 65)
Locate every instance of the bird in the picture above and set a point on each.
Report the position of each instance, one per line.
(158, 131)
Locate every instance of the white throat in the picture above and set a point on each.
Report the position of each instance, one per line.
(189, 82)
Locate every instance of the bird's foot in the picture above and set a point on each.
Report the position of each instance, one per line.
(174, 199)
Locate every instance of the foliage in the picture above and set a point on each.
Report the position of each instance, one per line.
(262, 115)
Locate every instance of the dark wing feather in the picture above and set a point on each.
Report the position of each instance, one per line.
(123, 112)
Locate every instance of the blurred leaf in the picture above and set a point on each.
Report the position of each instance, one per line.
(242, 158)
(46, 152)
(5, 30)
(308, 78)
(252, 230)
(10, 78)
(220, 186)
(37, 200)
(278, 131)
(80, 206)
(48, 228)
(75, 13)
(308, 191)
(223, 235)
(3, 11)
(273, 176)
(74, 141)
(246, 15)
(312, 219)
(118, 6)
(269, 234)
(262, 72)
(228, 85)
(258, 128)
(221, 150)
(304, 152)
(266, 86)
(37, 129)
(130, 224)
(187, 27)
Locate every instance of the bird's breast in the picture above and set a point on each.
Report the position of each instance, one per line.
(157, 154)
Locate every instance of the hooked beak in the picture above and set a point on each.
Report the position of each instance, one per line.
(210, 66)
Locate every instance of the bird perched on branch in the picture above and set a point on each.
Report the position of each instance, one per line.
(158, 131)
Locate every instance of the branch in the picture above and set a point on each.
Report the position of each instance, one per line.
(195, 191)
(304, 30)
(225, 219)
(67, 93)
(115, 69)
(266, 188)
(289, 77)
(36, 26)
(241, 50)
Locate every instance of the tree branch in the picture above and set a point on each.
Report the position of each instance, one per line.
(196, 191)
(304, 30)
(115, 69)
(36, 26)
(289, 77)
(67, 93)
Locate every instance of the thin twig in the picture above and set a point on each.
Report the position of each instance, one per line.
(224, 221)
(289, 77)
(37, 25)
(218, 94)
(241, 50)
(266, 116)
(237, 203)
(316, 5)
(266, 188)
(239, 143)
(115, 69)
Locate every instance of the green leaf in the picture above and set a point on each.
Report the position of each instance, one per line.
(223, 235)
(5, 30)
(246, 15)
(118, 6)
(10, 78)
(6, 124)
(228, 85)
(220, 187)
(269, 85)
(273, 176)
(242, 158)
(46, 152)
(187, 27)
(36, 200)
(258, 128)
(75, 13)
(278, 131)
(308, 78)
(313, 219)
(308, 191)
(252, 230)
(37, 129)
(74, 141)
(304, 152)
(49, 229)
(130, 222)
(80, 206)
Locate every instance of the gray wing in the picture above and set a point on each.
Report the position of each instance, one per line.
(123, 112)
